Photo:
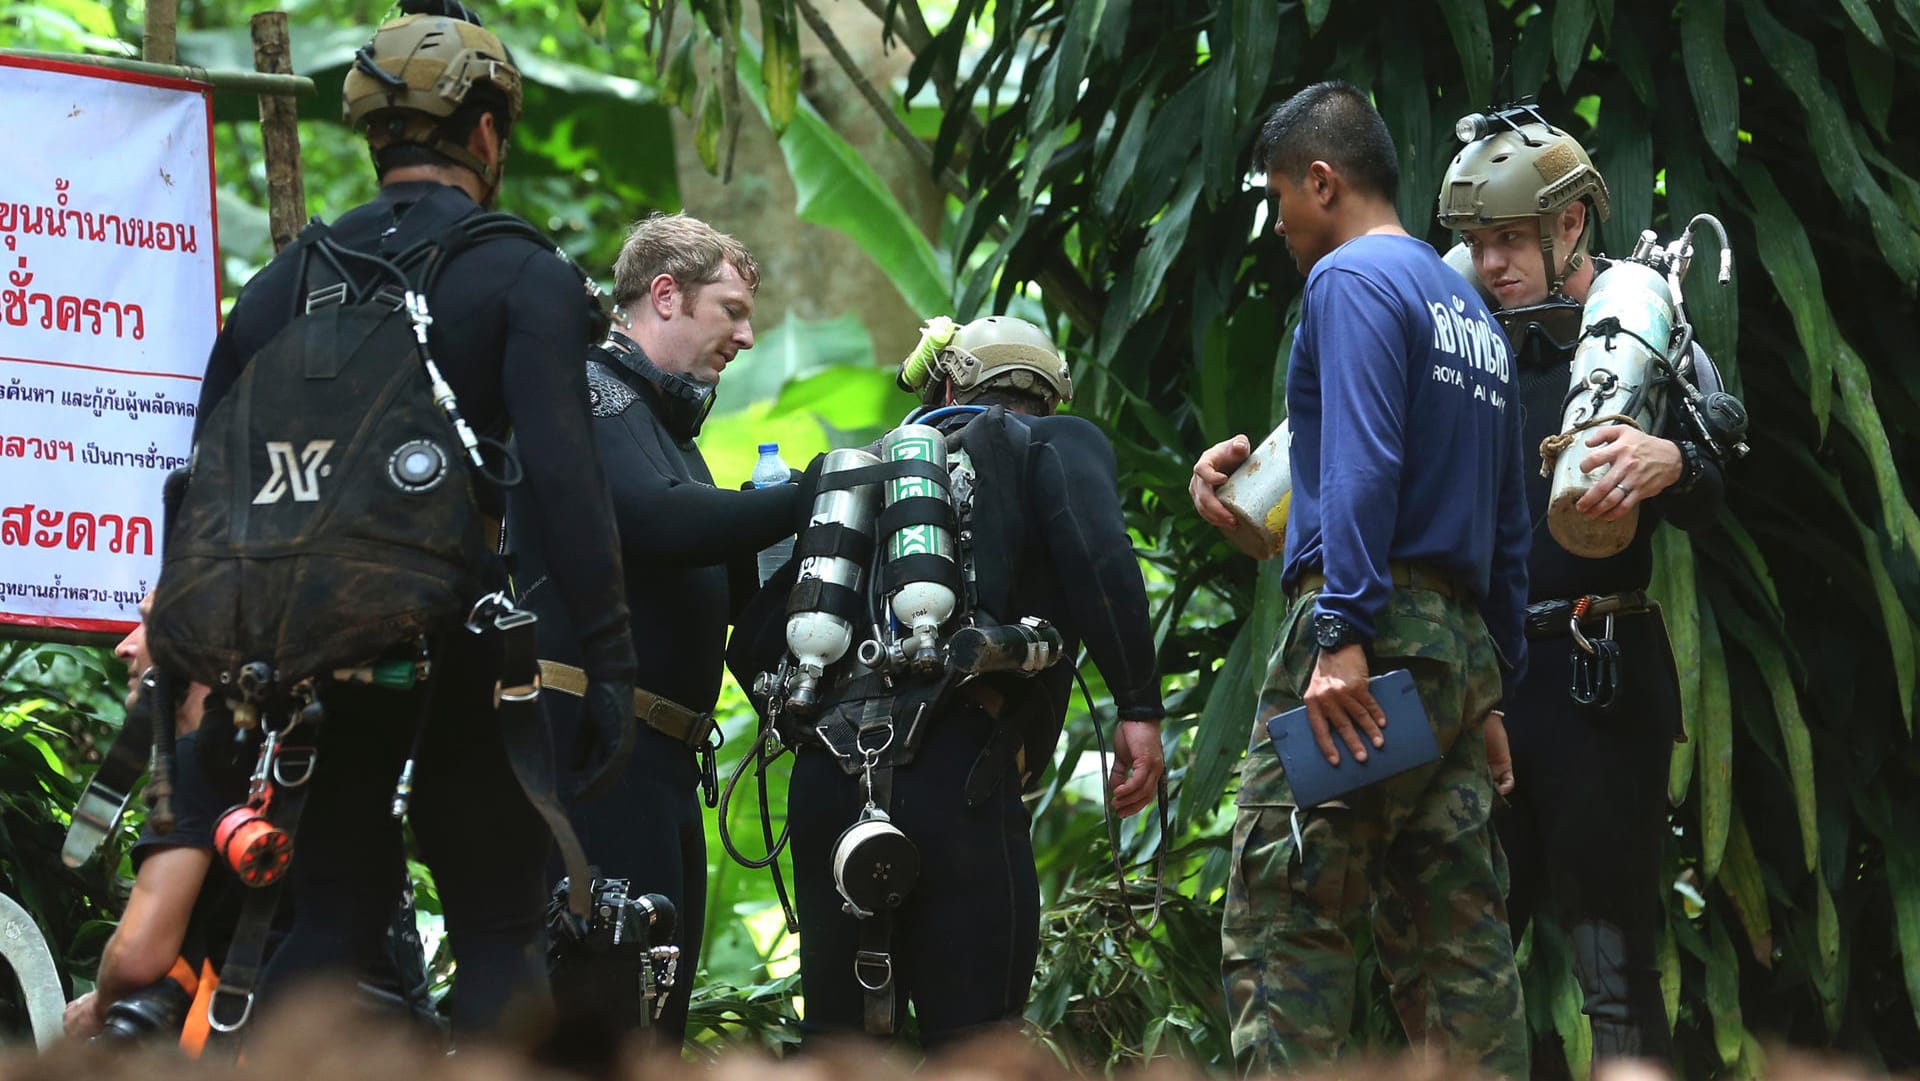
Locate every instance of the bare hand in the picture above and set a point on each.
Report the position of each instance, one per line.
(1639, 467)
(81, 1020)
(1339, 701)
(1138, 765)
(1210, 472)
(1499, 757)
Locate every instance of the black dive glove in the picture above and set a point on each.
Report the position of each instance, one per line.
(606, 742)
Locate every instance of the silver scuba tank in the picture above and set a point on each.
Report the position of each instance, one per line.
(817, 639)
(1260, 495)
(1629, 313)
(920, 605)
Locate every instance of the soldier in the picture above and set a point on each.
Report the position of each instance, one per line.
(1405, 549)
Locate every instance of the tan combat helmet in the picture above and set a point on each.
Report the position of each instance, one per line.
(1001, 351)
(1516, 165)
(415, 72)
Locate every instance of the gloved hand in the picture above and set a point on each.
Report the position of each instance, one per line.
(607, 739)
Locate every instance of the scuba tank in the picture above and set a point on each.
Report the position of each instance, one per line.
(1260, 494)
(818, 637)
(920, 602)
(1629, 323)
(1635, 340)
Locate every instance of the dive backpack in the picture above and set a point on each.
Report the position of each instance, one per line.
(329, 513)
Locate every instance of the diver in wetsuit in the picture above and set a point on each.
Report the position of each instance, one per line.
(1048, 540)
(683, 297)
(437, 96)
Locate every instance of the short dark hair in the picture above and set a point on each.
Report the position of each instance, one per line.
(483, 98)
(1332, 122)
(1014, 397)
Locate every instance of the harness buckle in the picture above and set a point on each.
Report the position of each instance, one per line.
(213, 1005)
(875, 961)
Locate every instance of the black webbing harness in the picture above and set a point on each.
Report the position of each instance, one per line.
(834, 539)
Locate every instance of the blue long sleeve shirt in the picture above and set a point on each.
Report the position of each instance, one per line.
(1406, 438)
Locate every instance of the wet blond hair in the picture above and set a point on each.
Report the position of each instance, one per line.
(691, 251)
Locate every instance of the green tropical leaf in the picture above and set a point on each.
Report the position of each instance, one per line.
(1894, 617)
(1625, 143)
(1789, 260)
(1716, 91)
(1670, 976)
(1794, 59)
(1770, 658)
(1257, 23)
(1873, 77)
(1118, 172)
(1317, 14)
(1533, 53)
(1723, 994)
(1473, 42)
(1673, 586)
(1571, 21)
(1740, 879)
(1826, 943)
(1163, 243)
(1863, 19)
(711, 125)
(1076, 43)
(1909, 11)
(780, 44)
(1715, 756)
(681, 86)
(1861, 416)
(1628, 48)
(1903, 887)
(1221, 737)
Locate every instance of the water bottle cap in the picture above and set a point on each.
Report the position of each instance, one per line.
(769, 448)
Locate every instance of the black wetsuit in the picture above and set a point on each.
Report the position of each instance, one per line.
(966, 939)
(1584, 827)
(688, 549)
(509, 324)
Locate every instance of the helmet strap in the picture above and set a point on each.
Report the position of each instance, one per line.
(1575, 258)
(489, 174)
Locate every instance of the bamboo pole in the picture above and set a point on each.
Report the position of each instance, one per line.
(163, 17)
(246, 82)
(279, 131)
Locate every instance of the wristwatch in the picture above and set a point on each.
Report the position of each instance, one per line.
(1692, 465)
(1332, 632)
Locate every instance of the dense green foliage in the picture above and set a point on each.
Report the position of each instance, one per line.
(1096, 155)
(52, 703)
(1113, 153)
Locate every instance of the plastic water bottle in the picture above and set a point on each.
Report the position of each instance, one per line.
(767, 472)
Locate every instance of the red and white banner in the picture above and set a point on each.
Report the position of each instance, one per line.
(109, 302)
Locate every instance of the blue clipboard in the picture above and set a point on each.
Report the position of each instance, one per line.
(1409, 745)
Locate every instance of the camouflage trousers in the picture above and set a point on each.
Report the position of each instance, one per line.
(1414, 855)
